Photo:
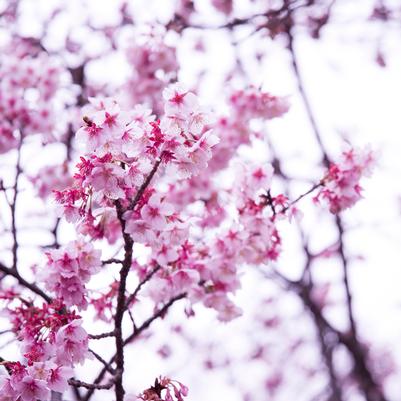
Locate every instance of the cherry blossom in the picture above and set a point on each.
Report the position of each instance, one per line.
(252, 103)
(30, 81)
(169, 194)
(58, 378)
(31, 389)
(51, 178)
(72, 344)
(164, 389)
(341, 185)
(69, 269)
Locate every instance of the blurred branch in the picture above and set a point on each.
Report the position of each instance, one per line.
(13, 205)
(369, 387)
(24, 283)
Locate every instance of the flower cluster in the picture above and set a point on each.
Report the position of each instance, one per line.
(68, 269)
(262, 242)
(51, 178)
(341, 185)
(253, 103)
(154, 65)
(52, 342)
(103, 304)
(164, 389)
(123, 149)
(29, 81)
(253, 239)
(208, 270)
(234, 130)
(162, 185)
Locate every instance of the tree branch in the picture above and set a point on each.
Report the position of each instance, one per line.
(145, 184)
(370, 388)
(118, 317)
(133, 336)
(33, 287)
(13, 206)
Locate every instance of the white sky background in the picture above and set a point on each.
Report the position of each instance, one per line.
(350, 95)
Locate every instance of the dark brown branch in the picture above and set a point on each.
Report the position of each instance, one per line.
(361, 369)
(54, 232)
(79, 383)
(33, 287)
(160, 313)
(145, 184)
(121, 300)
(77, 393)
(278, 13)
(136, 333)
(101, 360)
(120, 309)
(13, 206)
(296, 200)
(102, 335)
(110, 261)
(55, 396)
(344, 263)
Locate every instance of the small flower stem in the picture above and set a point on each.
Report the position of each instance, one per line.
(296, 200)
(145, 184)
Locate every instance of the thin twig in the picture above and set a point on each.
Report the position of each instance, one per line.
(296, 200)
(13, 206)
(102, 335)
(79, 383)
(145, 184)
(101, 360)
(141, 284)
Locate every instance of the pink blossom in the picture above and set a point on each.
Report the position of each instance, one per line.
(179, 101)
(139, 230)
(165, 254)
(107, 178)
(69, 269)
(226, 309)
(72, 344)
(164, 389)
(184, 279)
(58, 378)
(7, 391)
(253, 103)
(156, 212)
(341, 185)
(31, 389)
(50, 178)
